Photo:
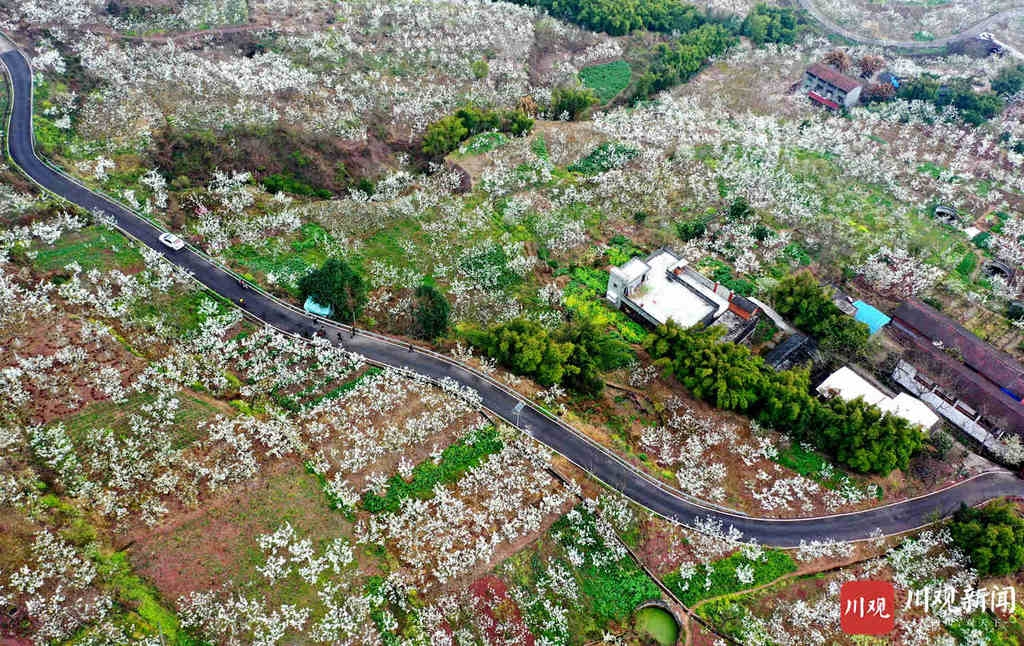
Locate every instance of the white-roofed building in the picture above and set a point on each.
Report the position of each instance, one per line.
(849, 385)
(663, 288)
(911, 409)
(626, 279)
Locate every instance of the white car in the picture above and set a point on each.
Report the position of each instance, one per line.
(986, 36)
(172, 241)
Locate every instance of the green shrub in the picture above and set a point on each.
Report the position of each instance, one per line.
(678, 61)
(966, 267)
(338, 285)
(432, 312)
(992, 536)
(621, 18)
(573, 103)
(802, 300)
(776, 563)
(604, 158)
(278, 182)
(444, 135)
(766, 24)
(613, 589)
(973, 107)
(728, 376)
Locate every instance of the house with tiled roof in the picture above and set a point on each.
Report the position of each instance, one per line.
(830, 87)
(972, 384)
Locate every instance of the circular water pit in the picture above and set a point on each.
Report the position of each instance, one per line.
(658, 623)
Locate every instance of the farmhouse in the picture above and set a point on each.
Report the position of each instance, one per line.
(849, 385)
(830, 87)
(663, 287)
(970, 383)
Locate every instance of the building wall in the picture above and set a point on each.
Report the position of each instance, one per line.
(852, 97)
(904, 375)
(824, 88)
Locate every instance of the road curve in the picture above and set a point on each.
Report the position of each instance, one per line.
(971, 32)
(586, 454)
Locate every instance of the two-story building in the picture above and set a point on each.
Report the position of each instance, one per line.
(830, 87)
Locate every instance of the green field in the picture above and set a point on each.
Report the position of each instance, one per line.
(93, 247)
(607, 80)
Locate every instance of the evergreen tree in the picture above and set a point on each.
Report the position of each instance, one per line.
(432, 312)
(338, 285)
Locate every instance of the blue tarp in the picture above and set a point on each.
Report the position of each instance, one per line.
(313, 307)
(871, 316)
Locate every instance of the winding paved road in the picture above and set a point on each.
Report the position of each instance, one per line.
(971, 32)
(586, 454)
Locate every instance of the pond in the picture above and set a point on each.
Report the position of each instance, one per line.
(658, 623)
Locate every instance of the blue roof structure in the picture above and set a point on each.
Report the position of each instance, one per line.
(871, 316)
(313, 307)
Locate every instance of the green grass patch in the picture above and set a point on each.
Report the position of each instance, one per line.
(588, 303)
(982, 628)
(150, 614)
(455, 461)
(94, 247)
(722, 273)
(620, 251)
(539, 147)
(484, 142)
(288, 183)
(966, 267)
(723, 576)
(117, 417)
(285, 260)
(604, 158)
(614, 589)
(298, 401)
(181, 311)
(607, 80)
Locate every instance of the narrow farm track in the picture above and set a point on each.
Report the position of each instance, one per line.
(378, 349)
(971, 32)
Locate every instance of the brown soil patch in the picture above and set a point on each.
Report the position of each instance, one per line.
(216, 544)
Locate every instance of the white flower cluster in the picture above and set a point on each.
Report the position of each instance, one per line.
(285, 553)
(237, 619)
(898, 272)
(460, 527)
(55, 589)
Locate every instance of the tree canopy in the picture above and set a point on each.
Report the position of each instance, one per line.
(574, 102)
(973, 107)
(729, 376)
(432, 312)
(336, 284)
(620, 17)
(801, 299)
(575, 354)
(677, 61)
(992, 536)
(445, 134)
(765, 24)
(1009, 80)
(593, 352)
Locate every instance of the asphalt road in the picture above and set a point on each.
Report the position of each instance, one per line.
(377, 349)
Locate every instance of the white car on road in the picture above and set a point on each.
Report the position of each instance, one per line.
(172, 241)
